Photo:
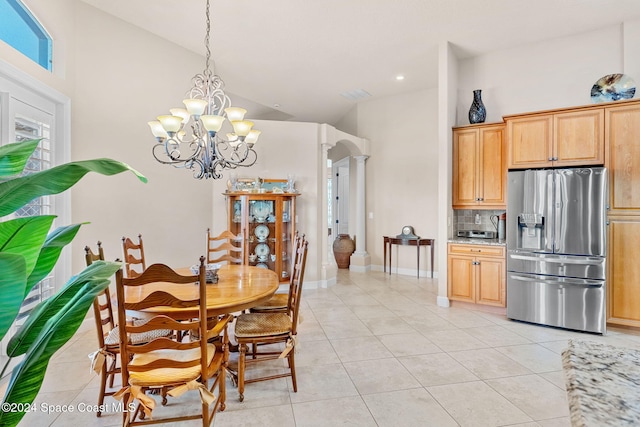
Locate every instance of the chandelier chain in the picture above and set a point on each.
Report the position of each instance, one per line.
(207, 69)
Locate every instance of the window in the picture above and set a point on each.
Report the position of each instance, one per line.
(25, 129)
(30, 122)
(29, 110)
(21, 30)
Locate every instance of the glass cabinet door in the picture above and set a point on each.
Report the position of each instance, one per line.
(266, 223)
(287, 239)
(262, 237)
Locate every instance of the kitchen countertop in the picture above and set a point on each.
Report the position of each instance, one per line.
(603, 384)
(476, 241)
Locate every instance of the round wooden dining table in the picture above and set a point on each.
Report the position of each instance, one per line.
(239, 287)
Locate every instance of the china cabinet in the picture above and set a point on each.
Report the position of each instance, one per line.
(477, 274)
(266, 222)
(479, 167)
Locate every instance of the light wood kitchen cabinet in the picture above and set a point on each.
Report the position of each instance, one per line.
(569, 138)
(477, 274)
(623, 163)
(623, 280)
(266, 222)
(623, 158)
(479, 167)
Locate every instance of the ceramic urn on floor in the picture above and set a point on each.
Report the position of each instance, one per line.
(343, 247)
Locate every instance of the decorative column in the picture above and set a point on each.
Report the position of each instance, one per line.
(329, 267)
(360, 260)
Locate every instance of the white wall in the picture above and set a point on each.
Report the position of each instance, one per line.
(123, 78)
(631, 36)
(402, 172)
(448, 85)
(551, 74)
(284, 148)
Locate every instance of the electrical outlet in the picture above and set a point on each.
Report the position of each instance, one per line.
(478, 220)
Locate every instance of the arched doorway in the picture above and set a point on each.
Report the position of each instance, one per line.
(349, 153)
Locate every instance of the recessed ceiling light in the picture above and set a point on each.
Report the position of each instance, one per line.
(399, 77)
(356, 94)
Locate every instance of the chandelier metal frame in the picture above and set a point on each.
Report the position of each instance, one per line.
(191, 138)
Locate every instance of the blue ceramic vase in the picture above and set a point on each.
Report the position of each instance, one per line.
(477, 112)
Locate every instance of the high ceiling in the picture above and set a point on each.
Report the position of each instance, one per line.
(302, 54)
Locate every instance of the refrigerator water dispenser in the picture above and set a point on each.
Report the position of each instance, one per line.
(530, 231)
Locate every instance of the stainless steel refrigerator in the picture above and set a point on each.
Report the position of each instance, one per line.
(556, 247)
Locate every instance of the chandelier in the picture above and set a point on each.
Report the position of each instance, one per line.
(191, 137)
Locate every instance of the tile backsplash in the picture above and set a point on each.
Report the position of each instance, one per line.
(464, 219)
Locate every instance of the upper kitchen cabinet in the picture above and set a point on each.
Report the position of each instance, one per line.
(479, 167)
(623, 158)
(567, 138)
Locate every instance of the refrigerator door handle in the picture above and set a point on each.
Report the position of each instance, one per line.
(584, 283)
(557, 259)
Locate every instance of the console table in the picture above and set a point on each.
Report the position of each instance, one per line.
(390, 241)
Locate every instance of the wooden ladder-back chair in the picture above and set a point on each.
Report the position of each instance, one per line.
(105, 359)
(168, 365)
(269, 328)
(224, 248)
(281, 301)
(133, 253)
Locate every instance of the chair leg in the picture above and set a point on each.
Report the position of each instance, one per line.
(292, 367)
(103, 385)
(222, 388)
(205, 415)
(241, 368)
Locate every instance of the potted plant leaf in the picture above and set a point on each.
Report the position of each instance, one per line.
(28, 253)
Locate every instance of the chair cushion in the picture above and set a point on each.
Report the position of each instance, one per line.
(262, 324)
(113, 337)
(166, 376)
(276, 302)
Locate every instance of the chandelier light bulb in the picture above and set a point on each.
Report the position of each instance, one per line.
(180, 112)
(195, 107)
(171, 124)
(252, 137)
(212, 123)
(157, 130)
(235, 114)
(242, 127)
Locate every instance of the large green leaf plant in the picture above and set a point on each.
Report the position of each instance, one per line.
(28, 253)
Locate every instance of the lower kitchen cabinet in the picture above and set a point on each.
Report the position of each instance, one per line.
(623, 281)
(476, 274)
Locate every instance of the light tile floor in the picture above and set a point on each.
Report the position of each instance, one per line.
(375, 350)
